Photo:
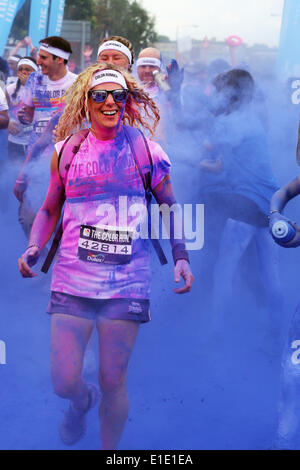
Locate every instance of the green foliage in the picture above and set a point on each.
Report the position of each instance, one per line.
(108, 17)
(122, 18)
(21, 22)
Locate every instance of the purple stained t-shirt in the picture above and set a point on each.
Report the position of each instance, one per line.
(101, 255)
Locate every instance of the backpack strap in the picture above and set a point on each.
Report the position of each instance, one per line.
(141, 154)
(144, 163)
(68, 151)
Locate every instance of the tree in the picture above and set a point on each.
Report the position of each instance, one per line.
(21, 22)
(108, 17)
(80, 10)
(124, 18)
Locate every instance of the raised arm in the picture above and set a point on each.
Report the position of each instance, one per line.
(45, 221)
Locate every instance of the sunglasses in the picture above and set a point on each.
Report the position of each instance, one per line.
(99, 96)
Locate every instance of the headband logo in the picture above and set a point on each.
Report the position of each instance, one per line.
(112, 44)
(106, 74)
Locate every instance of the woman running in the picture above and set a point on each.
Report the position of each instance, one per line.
(102, 274)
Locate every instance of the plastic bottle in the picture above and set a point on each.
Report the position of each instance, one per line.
(283, 231)
(163, 84)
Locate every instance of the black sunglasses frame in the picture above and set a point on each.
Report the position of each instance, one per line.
(108, 92)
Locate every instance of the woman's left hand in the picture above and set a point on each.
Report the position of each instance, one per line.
(182, 269)
(27, 260)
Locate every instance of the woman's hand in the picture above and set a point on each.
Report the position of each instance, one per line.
(19, 189)
(28, 259)
(277, 217)
(182, 269)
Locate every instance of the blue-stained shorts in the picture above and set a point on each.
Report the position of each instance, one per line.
(116, 309)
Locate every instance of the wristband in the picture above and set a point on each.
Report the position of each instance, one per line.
(179, 252)
(31, 246)
(273, 211)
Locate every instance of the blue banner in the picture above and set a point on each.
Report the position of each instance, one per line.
(56, 17)
(288, 61)
(21, 3)
(38, 20)
(8, 10)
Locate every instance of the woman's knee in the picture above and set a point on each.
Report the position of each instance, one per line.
(112, 381)
(65, 385)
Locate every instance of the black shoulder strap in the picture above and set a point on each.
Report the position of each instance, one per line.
(144, 163)
(141, 153)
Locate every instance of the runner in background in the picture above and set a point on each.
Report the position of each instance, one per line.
(43, 96)
(116, 50)
(19, 134)
(164, 88)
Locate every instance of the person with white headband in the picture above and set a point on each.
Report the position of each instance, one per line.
(149, 61)
(43, 96)
(44, 92)
(116, 50)
(101, 276)
(19, 134)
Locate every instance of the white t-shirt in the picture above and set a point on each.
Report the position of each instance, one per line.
(3, 101)
(46, 96)
(22, 138)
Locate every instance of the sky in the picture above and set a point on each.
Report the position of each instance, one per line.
(256, 21)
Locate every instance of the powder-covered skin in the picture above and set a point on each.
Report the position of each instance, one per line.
(100, 173)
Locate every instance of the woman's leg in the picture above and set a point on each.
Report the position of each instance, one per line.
(116, 340)
(69, 337)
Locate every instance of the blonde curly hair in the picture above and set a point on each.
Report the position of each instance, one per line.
(140, 110)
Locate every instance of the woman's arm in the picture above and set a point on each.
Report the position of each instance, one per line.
(278, 203)
(45, 221)
(284, 195)
(164, 194)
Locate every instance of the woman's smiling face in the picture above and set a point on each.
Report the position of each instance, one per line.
(107, 114)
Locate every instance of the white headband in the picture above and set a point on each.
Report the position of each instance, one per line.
(55, 51)
(148, 61)
(28, 62)
(116, 46)
(13, 58)
(108, 76)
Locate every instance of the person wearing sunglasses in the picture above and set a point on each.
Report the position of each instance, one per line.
(101, 277)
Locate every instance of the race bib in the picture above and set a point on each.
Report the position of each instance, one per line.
(40, 126)
(105, 244)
